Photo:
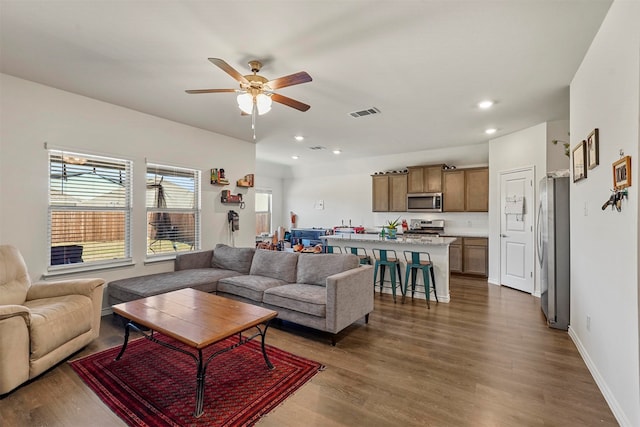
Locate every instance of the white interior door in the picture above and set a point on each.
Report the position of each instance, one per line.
(516, 229)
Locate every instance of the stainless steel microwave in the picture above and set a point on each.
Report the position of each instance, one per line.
(424, 202)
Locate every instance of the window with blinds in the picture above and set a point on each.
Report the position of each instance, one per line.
(263, 212)
(173, 210)
(89, 209)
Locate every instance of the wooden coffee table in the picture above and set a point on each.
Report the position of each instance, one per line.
(197, 319)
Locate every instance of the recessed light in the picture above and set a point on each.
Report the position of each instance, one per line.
(490, 131)
(485, 104)
(295, 157)
(299, 138)
(337, 151)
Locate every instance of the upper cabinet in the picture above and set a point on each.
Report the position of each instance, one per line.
(466, 190)
(476, 190)
(424, 179)
(389, 193)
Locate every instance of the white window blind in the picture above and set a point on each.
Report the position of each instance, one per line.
(173, 210)
(89, 209)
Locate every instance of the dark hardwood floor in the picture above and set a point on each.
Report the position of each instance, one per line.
(485, 359)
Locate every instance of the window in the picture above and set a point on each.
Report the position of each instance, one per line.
(173, 210)
(89, 209)
(263, 212)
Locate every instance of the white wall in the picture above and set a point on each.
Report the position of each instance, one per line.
(604, 244)
(531, 147)
(519, 149)
(33, 114)
(345, 188)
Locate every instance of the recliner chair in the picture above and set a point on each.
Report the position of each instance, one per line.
(42, 323)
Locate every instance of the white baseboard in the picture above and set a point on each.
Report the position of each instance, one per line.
(493, 281)
(602, 384)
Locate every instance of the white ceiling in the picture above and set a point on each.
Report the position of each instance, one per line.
(424, 64)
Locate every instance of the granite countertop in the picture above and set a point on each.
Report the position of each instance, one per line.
(465, 232)
(400, 240)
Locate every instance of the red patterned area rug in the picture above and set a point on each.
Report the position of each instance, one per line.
(155, 386)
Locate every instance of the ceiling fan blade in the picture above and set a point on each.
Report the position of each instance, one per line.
(290, 102)
(229, 70)
(209, 90)
(290, 80)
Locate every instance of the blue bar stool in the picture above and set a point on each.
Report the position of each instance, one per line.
(419, 261)
(360, 253)
(333, 249)
(387, 258)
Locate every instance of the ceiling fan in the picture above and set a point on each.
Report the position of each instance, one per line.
(256, 93)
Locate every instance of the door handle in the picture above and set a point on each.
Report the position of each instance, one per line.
(503, 235)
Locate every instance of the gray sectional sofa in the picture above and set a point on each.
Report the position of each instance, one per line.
(327, 292)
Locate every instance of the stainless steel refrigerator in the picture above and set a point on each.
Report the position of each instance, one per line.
(553, 250)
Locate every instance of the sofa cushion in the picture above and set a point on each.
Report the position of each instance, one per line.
(313, 269)
(250, 287)
(275, 264)
(230, 258)
(308, 299)
(54, 321)
(202, 279)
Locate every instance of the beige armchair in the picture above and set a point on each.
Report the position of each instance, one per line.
(42, 323)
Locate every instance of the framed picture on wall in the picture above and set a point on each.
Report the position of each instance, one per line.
(579, 161)
(622, 173)
(593, 153)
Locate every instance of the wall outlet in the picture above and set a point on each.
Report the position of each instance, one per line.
(588, 323)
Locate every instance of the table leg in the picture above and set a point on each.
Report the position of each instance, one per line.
(264, 353)
(126, 340)
(200, 376)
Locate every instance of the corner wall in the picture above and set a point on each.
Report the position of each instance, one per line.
(605, 94)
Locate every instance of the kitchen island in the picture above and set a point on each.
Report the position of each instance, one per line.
(438, 248)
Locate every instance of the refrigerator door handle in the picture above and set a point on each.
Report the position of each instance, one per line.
(539, 227)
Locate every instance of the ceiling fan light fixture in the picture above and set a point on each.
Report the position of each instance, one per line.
(263, 103)
(245, 102)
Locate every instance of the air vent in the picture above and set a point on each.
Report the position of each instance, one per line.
(317, 147)
(367, 112)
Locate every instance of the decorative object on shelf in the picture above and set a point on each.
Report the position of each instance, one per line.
(579, 162)
(622, 173)
(247, 181)
(227, 197)
(593, 151)
(218, 178)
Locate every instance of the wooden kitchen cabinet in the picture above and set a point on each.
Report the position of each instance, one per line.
(424, 179)
(466, 190)
(453, 190)
(469, 255)
(398, 193)
(475, 256)
(389, 193)
(455, 256)
(380, 196)
(476, 190)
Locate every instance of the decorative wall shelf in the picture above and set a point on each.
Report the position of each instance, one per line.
(218, 178)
